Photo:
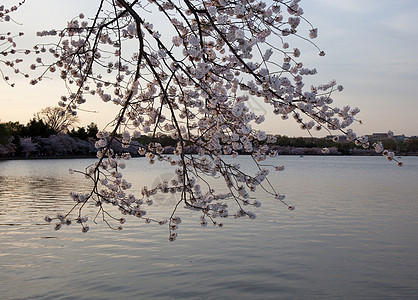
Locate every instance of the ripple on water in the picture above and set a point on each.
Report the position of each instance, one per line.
(348, 237)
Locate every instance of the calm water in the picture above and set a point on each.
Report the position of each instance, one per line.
(353, 234)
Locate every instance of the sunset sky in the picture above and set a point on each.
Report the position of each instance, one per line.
(371, 49)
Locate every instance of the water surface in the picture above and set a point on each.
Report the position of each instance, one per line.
(353, 234)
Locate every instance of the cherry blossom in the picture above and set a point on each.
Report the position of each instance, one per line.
(8, 46)
(191, 76)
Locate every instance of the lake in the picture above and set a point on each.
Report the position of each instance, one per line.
(353, 235)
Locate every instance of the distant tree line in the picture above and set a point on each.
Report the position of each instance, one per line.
(38, 139)
(408, 146)
(344, 147)
(51, 134)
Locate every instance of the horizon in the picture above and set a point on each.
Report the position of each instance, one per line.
(75, 127)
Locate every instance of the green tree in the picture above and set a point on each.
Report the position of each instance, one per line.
(4, 135)
(92, 130)
(37, 128)
(80, 133)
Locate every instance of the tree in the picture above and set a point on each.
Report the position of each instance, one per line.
(190, 76)
(4, 135)
(79, 133)
(28, 145)
(59, 120)
(10, 137)
(92, 130)
(84, 133)
(37, 128)
(10, 129)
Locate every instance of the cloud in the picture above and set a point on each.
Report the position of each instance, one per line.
(352, 6)
(401, 23)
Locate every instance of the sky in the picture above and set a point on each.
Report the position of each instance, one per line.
(371, 49)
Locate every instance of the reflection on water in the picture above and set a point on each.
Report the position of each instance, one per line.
(353, 234)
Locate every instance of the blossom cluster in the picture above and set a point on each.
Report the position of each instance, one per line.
(389, 155)
(194, 86)
(8, 44)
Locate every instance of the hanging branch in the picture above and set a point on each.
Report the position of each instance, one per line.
(189, 75)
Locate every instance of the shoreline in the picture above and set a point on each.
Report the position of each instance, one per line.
(244, 154)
